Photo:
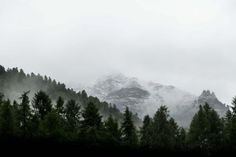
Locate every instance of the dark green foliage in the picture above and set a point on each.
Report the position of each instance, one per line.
(14, 82)
(181, 140)
(49, 117)
(24, 115)
(91, 117)
(164, 130)
(112, 128)
(42, 104)
(65, 123)
(129, 135)
(72, 116)
(206, 130)
(52, 126)
(1, 98)
(146, 132)
(60, 105)
(2, 70)
(35, 122)
(84, 94)
(91, 130)
(174, 133)
(230, 127)
(7, 121)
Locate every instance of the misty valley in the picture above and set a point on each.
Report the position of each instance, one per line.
(117, 77)
(131, 116)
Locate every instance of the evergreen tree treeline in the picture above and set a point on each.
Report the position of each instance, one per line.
(80, 121)
(65, 121)
(13, 82)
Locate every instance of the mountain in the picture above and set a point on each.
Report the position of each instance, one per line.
(141, 97)
(144, 97)
(13, 82)
(213, 101)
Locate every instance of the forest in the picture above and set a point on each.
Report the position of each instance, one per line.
(78, 121)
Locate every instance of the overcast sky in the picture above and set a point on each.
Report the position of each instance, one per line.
(187, 43)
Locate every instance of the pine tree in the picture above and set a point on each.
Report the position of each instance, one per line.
(174, 133)
(197, 130)
(227, 129)
(1, 99)
(2, 70)
(230, 128)
(112, 128)
(206, 130)
(91, 117)
(162, 137)
(42, 104)
(91, 130)
(146, 132)
(7, 121)
(24, 115)
(51, 126)
(72, 115)
(129, 135)
(84, 95)
(181, 140)
(60, 105)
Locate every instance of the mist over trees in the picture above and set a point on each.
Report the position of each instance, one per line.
(14, 82)
(74, 118)
(65, 122)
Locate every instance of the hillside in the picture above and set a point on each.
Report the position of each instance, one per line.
(14, 82)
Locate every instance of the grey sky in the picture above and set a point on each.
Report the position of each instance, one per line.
(186, 43)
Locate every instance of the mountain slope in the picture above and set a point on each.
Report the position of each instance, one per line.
(213, 101)
(14, 82)
(146, 97)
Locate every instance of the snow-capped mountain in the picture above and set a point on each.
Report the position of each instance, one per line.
(213, 101)
(146, 97)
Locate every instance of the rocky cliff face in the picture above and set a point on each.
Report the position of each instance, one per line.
(146, 97)
(212, 100)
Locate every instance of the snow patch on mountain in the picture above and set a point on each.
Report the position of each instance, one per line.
(144, 97)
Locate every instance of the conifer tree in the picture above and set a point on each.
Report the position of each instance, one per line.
(227, 129)
(7, 121)
(60, 105)
(24, 115)
(84, 94)
(161, 137)
(230, 127)
(42, 104)
(91, 125)
(112, 128)
(181, 140)
(206, 130)
(174, 133)
(129, 135)
(2, 70)
(146, 132)
(52, 126)
(72, 115)
(91, 117)
(1, 99)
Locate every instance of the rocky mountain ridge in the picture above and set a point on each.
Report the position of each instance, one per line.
(144, 97)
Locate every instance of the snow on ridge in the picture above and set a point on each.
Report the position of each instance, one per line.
(143, 97)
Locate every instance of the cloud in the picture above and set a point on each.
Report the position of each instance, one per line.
(187, 43)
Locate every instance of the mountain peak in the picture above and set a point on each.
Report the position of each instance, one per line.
(209, 97)
(145, 97)
(208, 94)
(115, 76)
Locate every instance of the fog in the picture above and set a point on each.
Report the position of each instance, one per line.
(186, 43)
